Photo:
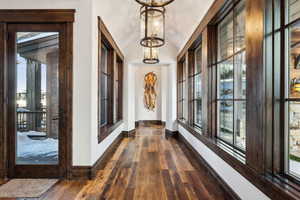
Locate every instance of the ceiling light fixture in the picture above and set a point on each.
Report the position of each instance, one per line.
(150, 55)
(152, 26)
(154, 3)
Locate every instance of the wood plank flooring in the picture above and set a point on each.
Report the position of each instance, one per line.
(146, 167)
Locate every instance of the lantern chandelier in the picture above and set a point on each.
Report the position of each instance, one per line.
(150, 55)
(154, 3)
(152, 26)
(152, 16)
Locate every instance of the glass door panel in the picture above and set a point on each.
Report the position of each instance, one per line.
(37, 98)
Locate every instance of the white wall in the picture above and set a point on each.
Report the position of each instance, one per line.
(171, 97)
(129, 97)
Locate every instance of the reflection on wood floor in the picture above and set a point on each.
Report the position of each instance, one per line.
(147, 167)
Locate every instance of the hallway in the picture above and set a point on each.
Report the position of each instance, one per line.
(149, 166)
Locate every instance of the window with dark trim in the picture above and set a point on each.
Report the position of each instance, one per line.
(231, 79)
(105, 77)
(291, 94)
(182, 91)
(282, 41)
(110, 84)
(118, 84)
(197, 88)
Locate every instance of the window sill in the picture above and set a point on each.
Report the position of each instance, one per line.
(214, 145)
(106, 130)
(271, 185)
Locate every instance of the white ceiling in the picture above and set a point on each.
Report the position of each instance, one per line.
(122, 19)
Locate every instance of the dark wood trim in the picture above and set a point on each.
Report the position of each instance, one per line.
(3, 94)
(103, 29)
(37, 16)
(80, 172)
(90, 172)
(130, 133)
(65, 102)
(169, 133)
(255, 90)
(149, 123)
(69, 97)
(107, 130)
(209, 169)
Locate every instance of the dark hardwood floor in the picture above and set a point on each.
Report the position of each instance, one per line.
(147, 167)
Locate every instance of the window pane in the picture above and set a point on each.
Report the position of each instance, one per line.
(198, 112)
(184, 71)
(198, 85)
(294, 137)
(104, 86)
(240, 76)
(294, 61)
(225, 109)
(103, 112)
(185, 109)
(180, 110)
(179, 91)
(184, 90)
(239, 30)
(225, 80)
(240, 123)
(198, 60)
(225, 37)
(104, 54)
(293, 10)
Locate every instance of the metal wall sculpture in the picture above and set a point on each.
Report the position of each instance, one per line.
(150, 93)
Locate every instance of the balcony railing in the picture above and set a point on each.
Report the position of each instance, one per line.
(31, 120)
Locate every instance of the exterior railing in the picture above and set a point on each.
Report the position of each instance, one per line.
(31, 120)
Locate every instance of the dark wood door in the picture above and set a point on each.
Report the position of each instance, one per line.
(36, 98)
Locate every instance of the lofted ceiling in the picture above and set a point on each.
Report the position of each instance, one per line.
(122, 19)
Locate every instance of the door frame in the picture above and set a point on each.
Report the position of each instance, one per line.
(64, 19)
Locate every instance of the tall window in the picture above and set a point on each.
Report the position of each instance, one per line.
(104, 84)
(118, 76)
(291, 97)
(110, 89)
(197, 80)
(182, 92)
(231, 79)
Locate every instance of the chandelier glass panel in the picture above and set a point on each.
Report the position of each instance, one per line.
(152, 26)
(154, 3)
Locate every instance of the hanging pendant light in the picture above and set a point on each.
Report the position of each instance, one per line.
(152, 26)
(154, 3)
(150, 55)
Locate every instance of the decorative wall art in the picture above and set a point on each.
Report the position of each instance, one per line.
(150, 93)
